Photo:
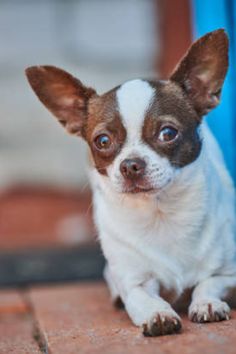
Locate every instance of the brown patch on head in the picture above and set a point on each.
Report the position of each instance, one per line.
(194, 89)
(104, 119)
(80, 110)
(202, 71)
(170, 108)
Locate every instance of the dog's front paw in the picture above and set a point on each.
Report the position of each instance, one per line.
(164, 322)
(209, 311)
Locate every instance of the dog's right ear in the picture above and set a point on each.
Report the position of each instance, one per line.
(202, 71)
(64, 95)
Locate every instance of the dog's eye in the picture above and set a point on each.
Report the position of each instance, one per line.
(167, 134)
(102, 142)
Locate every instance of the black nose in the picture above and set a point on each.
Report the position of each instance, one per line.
(132, 168)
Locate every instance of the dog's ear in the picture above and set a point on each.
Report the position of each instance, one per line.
(202, 70)
(64, 95)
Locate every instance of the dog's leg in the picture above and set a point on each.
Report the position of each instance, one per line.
(115, 296)
(206, 305)
(151, 312)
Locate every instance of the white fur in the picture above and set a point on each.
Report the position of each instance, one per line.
(180, 237)
(134, 99)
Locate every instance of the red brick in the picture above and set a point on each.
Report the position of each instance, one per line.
(42, 218)
(16, 325)
(81, 319)
(12, 301)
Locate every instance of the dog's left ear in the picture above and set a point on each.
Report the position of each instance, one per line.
(202, 70)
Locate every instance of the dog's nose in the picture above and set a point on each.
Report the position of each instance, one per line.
(132, 168)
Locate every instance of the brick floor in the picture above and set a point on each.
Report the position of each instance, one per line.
(13, 301)
(79, 318)
(16, 325)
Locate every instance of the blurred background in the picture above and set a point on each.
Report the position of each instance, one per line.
(46, 230)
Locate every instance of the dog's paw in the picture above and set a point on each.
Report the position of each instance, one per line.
(209, 311)
(164, 322)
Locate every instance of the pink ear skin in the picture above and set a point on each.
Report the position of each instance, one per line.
(202, 70)
(64, 95)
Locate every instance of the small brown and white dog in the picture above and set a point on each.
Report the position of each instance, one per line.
(163, 199)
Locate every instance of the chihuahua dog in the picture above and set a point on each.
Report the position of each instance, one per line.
(163, 199)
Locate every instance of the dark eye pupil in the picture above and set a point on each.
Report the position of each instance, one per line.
(102, 141)
(167, 134)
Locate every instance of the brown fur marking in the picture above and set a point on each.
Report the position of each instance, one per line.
(104, 117)
(171, 107)
(202, 70)
(64, 95)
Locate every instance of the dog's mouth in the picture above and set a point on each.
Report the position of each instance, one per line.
(135, 188)
(142, 186)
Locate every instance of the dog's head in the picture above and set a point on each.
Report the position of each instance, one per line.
(142, 132)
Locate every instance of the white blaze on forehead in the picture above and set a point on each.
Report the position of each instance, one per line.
(134, 98)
